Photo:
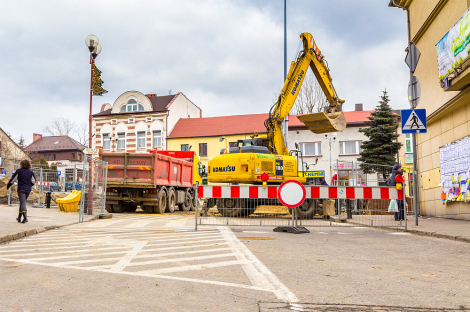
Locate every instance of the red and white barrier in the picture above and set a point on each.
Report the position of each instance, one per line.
(313, 192)
(43, 183)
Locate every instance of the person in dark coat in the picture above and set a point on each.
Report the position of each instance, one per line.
(26, 179)
(323, 182)
(398, 178)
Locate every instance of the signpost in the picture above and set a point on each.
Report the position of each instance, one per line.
(91, 151)
(414, 93)
(291, 194)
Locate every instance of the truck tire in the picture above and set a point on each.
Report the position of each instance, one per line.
(109, 208)
(186, 205)
(119, 208)
(230, 207)
(161, 196)
(306, 210)
(171, 201)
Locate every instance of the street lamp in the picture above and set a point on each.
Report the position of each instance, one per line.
(94, 47)
(331, 139)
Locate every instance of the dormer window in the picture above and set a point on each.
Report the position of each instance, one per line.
(131, 106)
(57, 142)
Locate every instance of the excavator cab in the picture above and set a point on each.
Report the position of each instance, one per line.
(324, 122)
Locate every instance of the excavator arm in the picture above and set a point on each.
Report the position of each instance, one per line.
(331, 120)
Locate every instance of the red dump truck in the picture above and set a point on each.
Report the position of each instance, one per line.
(157, 181)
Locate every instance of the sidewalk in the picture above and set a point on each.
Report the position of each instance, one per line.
(440, 227)
(40, 220)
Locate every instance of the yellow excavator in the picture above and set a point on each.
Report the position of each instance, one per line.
(266, 158)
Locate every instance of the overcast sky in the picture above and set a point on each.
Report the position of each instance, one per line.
(226, 56)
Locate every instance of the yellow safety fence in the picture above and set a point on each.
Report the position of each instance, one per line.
(70, 202)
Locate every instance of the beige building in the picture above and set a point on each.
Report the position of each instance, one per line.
(10, 152)
(139, 123)
(446, 97)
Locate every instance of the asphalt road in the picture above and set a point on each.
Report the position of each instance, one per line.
(158, 263)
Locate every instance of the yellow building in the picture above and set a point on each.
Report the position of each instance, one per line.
(208, 136)
(439, 29)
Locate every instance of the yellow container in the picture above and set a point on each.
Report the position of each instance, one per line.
(70, 202)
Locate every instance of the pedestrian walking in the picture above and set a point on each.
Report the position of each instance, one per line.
(26, 179)
(397, 178)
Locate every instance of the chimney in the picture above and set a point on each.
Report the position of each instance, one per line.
(358, 107)
(36, 137)
(151, 95)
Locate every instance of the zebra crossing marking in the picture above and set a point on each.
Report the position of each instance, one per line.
(112, 247)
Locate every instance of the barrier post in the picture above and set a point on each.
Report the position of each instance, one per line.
(9, 190)
(196, 204)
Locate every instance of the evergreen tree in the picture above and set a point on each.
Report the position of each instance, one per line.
(382, 147)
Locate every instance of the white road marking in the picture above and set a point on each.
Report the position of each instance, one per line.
(399, 233)
(255, 232)
(258, 273)
(114, 245)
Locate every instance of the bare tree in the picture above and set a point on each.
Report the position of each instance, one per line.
(311, 98)
(60, 126)
(81, 133)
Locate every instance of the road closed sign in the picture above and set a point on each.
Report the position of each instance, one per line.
(291, 193)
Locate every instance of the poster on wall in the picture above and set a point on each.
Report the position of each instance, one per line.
(455, 170)
(454, 47)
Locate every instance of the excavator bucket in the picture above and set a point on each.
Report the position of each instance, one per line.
(324, 122)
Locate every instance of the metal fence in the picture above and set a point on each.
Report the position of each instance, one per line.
(324, 206)
(93, 196)
(47, 179)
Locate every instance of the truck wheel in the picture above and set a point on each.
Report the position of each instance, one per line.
(186, 205)
(119, 208)
(230, 207)
(109, 208)
(161, 196)
(306, 210)
(171, 202)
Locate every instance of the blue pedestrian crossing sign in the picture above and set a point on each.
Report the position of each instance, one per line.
(413, 121)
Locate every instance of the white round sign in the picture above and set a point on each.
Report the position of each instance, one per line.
(291, 193)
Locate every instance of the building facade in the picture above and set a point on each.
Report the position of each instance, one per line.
(139, 123)
(436, 27)
(10, 152)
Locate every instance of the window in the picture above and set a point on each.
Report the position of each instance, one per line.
(233, 144)
(350, 147)
(73, 155)
(311, 149)
(121, 145)
(157, 139)
(408, 143)
(141, 140)
(202, 149)
(131, 106)
(79, 157)
(106, 142)
(185, 147)
(53, 156)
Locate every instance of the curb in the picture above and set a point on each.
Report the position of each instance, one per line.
(430, 234)
(22, 234)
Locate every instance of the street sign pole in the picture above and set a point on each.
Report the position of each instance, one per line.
(414, 53)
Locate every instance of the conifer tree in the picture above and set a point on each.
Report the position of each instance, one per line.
(382, 146)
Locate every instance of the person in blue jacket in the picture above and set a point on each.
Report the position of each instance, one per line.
(26, 179)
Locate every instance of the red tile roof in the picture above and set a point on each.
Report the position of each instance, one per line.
(241, 124)
(159, 104)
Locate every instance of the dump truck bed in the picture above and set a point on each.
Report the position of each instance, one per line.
(149, 170)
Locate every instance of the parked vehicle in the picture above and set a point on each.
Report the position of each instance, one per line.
(52, 187)
(69, 186)
(157, 181)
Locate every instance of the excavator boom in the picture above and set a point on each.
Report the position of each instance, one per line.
(331, 120)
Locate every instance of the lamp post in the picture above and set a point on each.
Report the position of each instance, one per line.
(94, 47)
(330, 138)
